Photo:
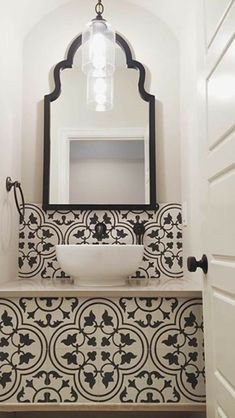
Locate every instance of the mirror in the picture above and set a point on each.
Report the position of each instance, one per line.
(102, 160)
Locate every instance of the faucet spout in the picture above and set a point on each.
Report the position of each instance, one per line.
(139, 230)
(100, 231)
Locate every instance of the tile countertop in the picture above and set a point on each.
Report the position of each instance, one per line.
(184, 287)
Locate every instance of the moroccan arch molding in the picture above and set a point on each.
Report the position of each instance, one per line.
(54, 95)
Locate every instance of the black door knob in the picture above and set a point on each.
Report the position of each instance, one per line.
(193, 264)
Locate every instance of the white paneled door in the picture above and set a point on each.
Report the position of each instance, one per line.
(219, 283)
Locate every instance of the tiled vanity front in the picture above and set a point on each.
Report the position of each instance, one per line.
(101, 349)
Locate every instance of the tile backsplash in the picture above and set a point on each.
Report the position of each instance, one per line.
(41, 231)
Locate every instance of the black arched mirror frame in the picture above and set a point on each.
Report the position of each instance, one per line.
(48, 99)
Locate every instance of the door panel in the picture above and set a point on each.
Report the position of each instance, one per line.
(220, 413)
(223, 37)
(222, 162)
(221, 225)
(219, 231)
(222, 273)
(215, 11)
(221, 97)
(223, 313)
(225, 397)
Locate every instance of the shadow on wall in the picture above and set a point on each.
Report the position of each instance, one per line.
(9, 232)
(6, 223)
(160, 150)
(104, 415)
(39, 146)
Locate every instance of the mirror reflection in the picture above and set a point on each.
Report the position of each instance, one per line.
(99, 157)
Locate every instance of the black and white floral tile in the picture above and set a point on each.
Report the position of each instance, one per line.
(128, 350)
(41, 231)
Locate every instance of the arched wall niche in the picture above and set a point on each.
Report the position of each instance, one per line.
(153, 43)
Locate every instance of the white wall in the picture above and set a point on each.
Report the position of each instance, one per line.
(10, 136)
(192, 138)
(154, 45)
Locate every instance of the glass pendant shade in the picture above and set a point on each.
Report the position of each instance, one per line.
(98, 49)
(100, 93)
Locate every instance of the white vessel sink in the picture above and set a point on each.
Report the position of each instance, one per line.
(100, 265)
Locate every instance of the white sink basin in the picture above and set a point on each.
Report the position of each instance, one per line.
(100, 265)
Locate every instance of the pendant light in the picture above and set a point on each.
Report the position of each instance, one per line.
(100, 93)
(98, 61)
(98, 46)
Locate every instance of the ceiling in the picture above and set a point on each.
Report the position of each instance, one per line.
(171, 12)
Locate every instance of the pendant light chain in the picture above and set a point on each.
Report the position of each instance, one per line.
(99, 8)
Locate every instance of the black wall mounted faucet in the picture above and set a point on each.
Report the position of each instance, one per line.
(100, 231)
(139, 230)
